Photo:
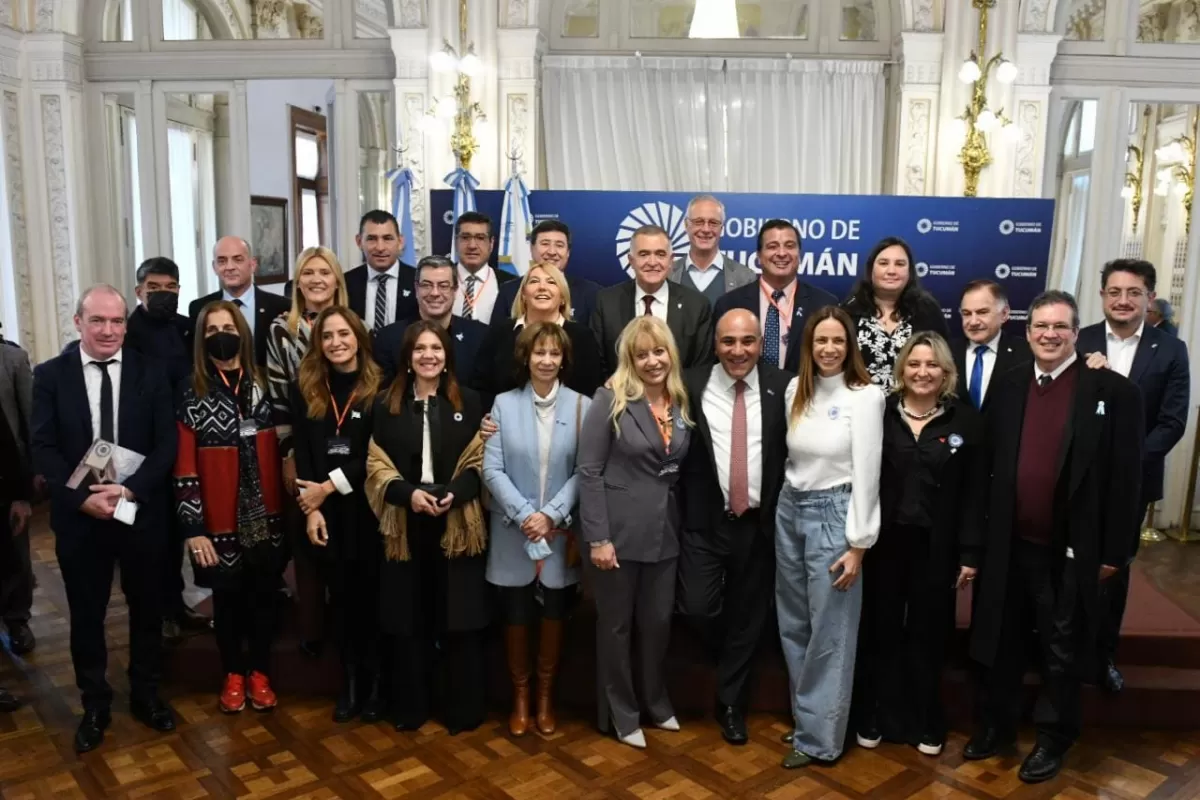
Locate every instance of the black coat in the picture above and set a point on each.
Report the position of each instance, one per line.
(495, 368)
(1160, 370)
(267, 306)
(1012, 352)
(169, 342)
(583, 299)
(16, 481)
(1096, 500)
(404, 294)
(808, 299)
(466, 335)
(449, 594)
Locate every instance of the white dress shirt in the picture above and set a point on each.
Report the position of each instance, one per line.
(661, 297)
(703, 277)
(486, 292)
(92, 379)
(1121, 351)
(1038, 372)
(393, 286)
(786, 314)
(426, 446)
(717, 404)
(989, 363)
(247, 305)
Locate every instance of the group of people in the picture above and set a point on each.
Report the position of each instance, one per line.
(441, 447)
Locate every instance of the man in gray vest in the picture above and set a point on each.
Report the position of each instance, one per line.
(705, 268)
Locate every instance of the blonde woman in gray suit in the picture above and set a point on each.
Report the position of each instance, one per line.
(634, 438)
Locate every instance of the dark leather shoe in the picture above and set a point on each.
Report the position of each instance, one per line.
(153, 713)
(91, 729)
(733, 724)
(984, 744)
(8, 702)
(1111, 679)
(192, 620)
(1040, 765)
(374, 709)
(347, 706)
(20, 639)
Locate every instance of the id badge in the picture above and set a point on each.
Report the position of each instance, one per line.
(337, 446)
(669, 468)
(247, 427)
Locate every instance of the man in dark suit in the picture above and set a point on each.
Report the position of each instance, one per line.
(16, 580)
(988, 351)
(1064, 451)
(778, 299)
(1158, 364)
(105, 391)
(478, 284)
(686, 311)
(704, 267)
(16, 490)
(1162, 316)
(550, 243)
(437, 281)
(235, 266)
(731, 479)
(382, 288)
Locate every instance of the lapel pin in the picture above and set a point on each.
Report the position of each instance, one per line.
(1154, 345)
(1100, 409)
(572, 312)
(459, 336)
(679, 306)
(771, 392)
(799, 312)
(407, 292)
(458, 416)
(355, 415)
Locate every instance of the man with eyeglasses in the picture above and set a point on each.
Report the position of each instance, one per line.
(478, 283)
(437, 284)
(1064, 452)
(705, 268)
(1158, 363)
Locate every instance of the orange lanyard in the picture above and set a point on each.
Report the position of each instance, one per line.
(664, 425)
(340, 416)
(470, 302)
(237, 401)
(785, 320)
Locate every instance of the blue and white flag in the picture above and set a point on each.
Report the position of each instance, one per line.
(401, 179)
(464, 185)
(516, 223)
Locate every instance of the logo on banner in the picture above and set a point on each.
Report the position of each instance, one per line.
(1009, 227)
(1003, 271)
(922, 269)
(667, 216)
(926, 225)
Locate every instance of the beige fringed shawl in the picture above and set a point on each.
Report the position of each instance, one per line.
(466, 532)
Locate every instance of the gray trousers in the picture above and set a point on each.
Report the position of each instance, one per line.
(644, 593)
(818, 624)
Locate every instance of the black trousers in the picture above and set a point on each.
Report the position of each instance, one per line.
(1114, 593)
(87, 560)
(244, 623)
(172, 573)
(1054, 606)
(907, 615)
(354, 591)
(726, 585)
(16, 573)
(447, 672)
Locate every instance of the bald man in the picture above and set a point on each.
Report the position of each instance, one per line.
(235, 267)
(730, 486)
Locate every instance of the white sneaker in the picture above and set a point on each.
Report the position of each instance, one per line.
(869, 743)
(668, 724)
(636, 739)
(929, 748)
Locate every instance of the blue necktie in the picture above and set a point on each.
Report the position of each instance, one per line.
(771, 330)
(976, 386)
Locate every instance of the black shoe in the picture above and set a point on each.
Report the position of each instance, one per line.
(1040, 765)
(311, 648)
(152, 712)
(90, 733)
(984, 744)
(374, 709)
(8, 702)
(347, 706)
(409, 722)
(192, 620)
(20, 639)
(868, 736)
(171, 632)
(1111, 679)
(733, 724)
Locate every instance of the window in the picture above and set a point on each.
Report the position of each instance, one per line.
(1081, 129)
(182, 22)
(310, 193)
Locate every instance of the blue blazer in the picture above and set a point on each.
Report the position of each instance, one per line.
(62, 433)
(583, 299)
(808, 299)
(1160, 370)
(466, 335)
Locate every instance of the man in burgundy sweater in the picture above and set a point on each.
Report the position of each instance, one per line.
(1064, 449)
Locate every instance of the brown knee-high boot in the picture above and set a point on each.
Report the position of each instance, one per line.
(516, 645)
(549, 648)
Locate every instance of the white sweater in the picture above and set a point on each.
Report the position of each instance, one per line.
(839, 440)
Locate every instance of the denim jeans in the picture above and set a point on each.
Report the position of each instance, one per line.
(818, 624)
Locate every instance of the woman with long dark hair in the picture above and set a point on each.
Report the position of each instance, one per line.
(888, 305)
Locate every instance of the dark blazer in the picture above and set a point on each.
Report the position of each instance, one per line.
(689, 316)
(16, 393)
(466, 335)
(495, 366)
(16, 480)
(170, 342)
(1160, 370)
(267, 306)
(404, 295)
(808, 299)
(1096, 502)
(1169, 328)
(703, 501)
(1013, 351)
(62, 433)
(583, 298)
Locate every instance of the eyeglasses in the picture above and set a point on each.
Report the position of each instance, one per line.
(1046, 327)
(1133, 294)
(478, 238)
(715, 224)
(429, 287)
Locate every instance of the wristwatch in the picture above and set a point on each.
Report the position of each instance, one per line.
(600, 543)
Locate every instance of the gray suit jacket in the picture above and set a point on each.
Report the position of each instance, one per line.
(689, 316)
(735, 273)
(16, 393)
(627, 482)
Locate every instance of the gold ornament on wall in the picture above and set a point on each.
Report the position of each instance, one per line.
(458, 108)
(979, 119)
(1135, 156)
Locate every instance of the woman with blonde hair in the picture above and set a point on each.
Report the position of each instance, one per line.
(319, 284)
(828, 515)
(929, 545)
(634, 439)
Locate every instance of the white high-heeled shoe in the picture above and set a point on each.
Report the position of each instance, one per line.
(669, 724)
(635, 739)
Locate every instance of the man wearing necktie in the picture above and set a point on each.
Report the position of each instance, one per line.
(731, 481)
(236, 266)
(102, 390)
(477, 282)
(987, 350)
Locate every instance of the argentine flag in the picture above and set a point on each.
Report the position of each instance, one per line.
(516, 223)
(401, 179)
(464, 185)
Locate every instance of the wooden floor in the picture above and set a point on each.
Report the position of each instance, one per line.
(298, 752)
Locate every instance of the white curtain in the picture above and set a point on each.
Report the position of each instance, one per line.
(695, 124)
(185, 219)
(1074, 220)
(179, 21)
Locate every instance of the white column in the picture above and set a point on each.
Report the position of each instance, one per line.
(412, 99)
(1034, 55)
(919, 107)
(520, 51)
(16, 290)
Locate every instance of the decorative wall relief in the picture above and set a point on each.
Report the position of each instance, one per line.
(412, 140)
(16, 218)
(518, 14)
(43, 16)
(61, 263)
(1035, 16)
(7, 15)
(918, 120)
(412, 14)
(518, 129)
(922, 11)
(1029, 117)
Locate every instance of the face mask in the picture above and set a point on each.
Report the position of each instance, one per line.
(223, 345)
(162, 305)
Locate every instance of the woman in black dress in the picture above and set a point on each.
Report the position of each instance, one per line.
(332, 400)
(888, 306)
(423, 483)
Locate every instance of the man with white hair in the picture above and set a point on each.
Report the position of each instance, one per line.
(705, 268)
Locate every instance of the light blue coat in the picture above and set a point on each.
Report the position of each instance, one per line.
(512, 473)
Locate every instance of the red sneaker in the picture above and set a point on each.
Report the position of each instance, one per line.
(233, 696)
(261, 696)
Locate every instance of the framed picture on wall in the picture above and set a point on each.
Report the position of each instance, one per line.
(269, 238)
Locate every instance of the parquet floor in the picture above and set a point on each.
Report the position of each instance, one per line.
(298, 752)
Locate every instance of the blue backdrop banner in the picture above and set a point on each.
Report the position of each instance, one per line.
(954, 240)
